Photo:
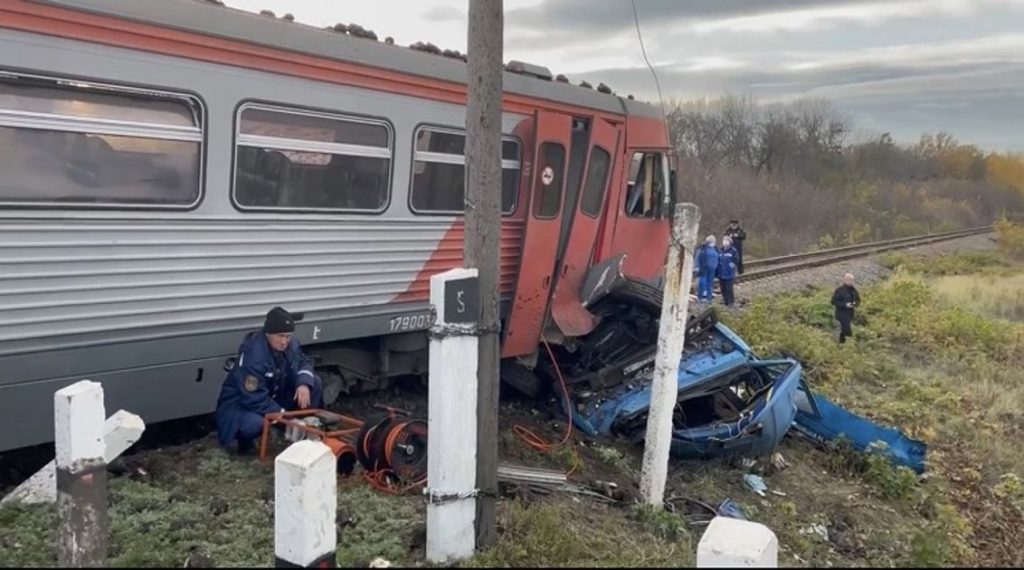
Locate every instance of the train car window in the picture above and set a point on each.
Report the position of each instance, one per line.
(315, 162)
(647, 184)
(547, 196)
(81, 144)
(596, 182)
(438, 182)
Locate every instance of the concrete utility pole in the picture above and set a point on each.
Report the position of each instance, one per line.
(671, 337)
(483, 235)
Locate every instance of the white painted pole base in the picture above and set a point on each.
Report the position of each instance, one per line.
(81, 475)
(452, 425)
(733, 543)
(671, 336)
(305, 506)
(121, 430)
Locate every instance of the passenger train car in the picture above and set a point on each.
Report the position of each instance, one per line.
(172, 169)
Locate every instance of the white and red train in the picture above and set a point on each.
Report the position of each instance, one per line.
(171, 169)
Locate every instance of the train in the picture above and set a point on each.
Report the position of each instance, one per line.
(169, 171)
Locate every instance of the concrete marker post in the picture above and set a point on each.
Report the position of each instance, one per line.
(305, 506)
(121, 430)
(81, 475)
(451, 418)
(733, 543)
(671, 337)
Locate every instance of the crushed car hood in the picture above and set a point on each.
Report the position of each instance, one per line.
(720, 352)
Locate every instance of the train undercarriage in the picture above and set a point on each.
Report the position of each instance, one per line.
(622, 346)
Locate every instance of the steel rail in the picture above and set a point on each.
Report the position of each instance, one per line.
(772, 266)
(796, 262)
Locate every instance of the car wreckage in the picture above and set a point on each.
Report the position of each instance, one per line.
(730, 402)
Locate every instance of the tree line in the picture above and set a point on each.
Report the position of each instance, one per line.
(799, 176)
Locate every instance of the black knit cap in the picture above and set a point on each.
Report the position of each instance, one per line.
(279, 321)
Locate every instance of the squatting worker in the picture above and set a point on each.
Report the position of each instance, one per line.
(845, 299)
(272, 375)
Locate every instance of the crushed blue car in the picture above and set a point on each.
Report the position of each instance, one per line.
(732, 403)
(823, 421)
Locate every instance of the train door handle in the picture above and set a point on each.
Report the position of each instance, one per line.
(547, 281)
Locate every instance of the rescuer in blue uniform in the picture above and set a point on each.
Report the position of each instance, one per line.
(727, 262)
(271, 376)
(706, 265)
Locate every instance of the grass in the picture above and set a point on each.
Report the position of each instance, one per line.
(28, 536)
(222, 510)
(1001, 297)
(566, 533)
(960, 263)
(933, 355)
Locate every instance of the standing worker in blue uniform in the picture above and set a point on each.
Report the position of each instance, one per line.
(727, 260)
(272, 375)
(706, 265)
(737, 234)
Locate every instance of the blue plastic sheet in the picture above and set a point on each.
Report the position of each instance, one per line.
(731, 509)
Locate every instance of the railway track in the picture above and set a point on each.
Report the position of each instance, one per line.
(771, 266)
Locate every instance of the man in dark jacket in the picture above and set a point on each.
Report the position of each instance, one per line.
(737, 234)
(845, 299)
(271, 376)
(727, 271)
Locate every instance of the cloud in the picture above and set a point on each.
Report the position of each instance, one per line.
(978, 101)
(824, 16)
(561, 22)
(605, 15)
(999, 48)
(444, 13)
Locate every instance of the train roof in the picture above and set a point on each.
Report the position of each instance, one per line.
(211, 19)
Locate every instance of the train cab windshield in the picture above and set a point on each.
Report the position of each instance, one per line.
(647, 188)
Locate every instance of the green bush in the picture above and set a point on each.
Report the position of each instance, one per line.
(960, 263)
(1011, 238)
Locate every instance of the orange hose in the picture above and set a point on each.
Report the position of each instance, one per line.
(538, 443)
(385, 479)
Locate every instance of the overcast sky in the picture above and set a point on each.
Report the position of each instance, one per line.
(899, 66)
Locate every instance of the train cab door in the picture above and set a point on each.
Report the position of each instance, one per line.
(553, 135)
(642, 214)
(567, 308)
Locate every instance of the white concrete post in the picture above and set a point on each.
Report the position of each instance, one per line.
(121, 430)
(671, 332)
(733, 543)
(305, 506)
(81, 475)
(451, 417)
